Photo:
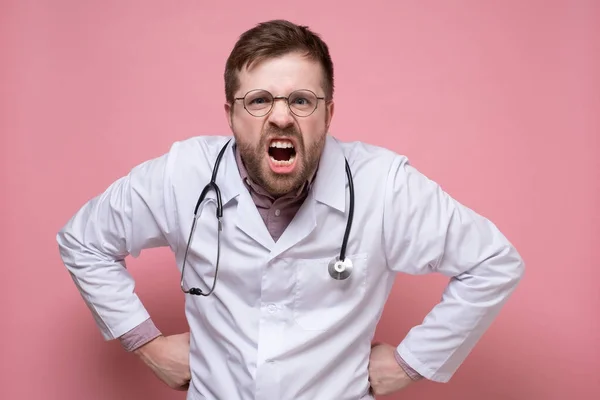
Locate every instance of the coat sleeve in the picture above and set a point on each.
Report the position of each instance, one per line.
(425, 231)
(132, 214)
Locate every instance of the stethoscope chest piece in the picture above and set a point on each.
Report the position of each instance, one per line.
(340, 270)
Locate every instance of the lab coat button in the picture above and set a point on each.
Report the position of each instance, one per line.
(272, 308)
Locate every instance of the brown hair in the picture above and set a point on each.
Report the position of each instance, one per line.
(273, 39)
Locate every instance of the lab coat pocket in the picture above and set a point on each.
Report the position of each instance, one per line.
(321, 302)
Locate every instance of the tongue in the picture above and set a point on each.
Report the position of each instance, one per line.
(280, 154)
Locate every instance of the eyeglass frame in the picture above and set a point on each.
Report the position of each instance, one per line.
(275, 98)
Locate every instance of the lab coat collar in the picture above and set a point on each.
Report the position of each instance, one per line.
(330, 184)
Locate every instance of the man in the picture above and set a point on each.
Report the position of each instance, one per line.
(271, 315)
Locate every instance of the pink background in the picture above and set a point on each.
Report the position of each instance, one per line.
(498, 101)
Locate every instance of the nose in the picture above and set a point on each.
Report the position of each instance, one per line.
(281, 115)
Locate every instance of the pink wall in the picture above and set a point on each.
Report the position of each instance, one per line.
(498, 101)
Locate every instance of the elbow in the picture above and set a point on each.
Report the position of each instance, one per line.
(63, 238)
(520, 268)
(505, 268)
(64, 242)
(67, 245)
(515, 266)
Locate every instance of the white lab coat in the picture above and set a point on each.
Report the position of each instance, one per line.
(277, 326)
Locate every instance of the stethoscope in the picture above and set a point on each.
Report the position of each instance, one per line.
(339, 268)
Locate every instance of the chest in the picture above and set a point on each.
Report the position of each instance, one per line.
(246, 259)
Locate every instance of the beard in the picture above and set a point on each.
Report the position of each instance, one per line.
(255, 159)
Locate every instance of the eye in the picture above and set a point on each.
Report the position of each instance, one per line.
(301, 101)
(258, 100)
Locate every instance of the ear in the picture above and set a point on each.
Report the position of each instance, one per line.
(228, 114)
(329, 113)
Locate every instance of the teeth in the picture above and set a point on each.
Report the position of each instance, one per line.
(282, 144)
(283, 163)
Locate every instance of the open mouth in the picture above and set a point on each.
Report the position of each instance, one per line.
(282, 152)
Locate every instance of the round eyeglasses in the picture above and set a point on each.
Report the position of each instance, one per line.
(259, 102)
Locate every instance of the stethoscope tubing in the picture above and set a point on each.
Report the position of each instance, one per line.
(339, 268)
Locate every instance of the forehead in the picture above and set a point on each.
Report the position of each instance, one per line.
(282, 75)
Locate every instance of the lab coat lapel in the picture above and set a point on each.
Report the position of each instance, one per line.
(250, 222)
(247, 218)
(328, 188)
(331, 183)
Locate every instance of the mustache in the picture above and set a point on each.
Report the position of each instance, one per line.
(290, 132)
(287, 132)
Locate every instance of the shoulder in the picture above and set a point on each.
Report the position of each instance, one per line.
(189, 158)
(198, 146)
(195, 152)
(377, 160)
(386, 172)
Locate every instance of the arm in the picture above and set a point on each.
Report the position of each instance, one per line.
(131, 215)
(425, 231)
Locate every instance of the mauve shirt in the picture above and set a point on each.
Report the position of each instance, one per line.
(277, 213)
